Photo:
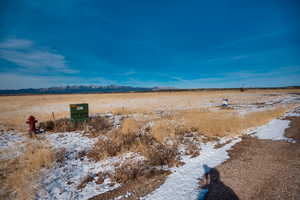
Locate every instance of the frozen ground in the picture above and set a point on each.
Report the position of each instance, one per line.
(62, 180)
(12, 143)
(274, 130)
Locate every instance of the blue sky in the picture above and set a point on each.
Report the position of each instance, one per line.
(184, 44)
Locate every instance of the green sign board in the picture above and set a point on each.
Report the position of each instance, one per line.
(79, 112)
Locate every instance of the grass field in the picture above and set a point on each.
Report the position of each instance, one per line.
(16, 109)
(154, 129)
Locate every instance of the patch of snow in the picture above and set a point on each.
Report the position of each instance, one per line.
(182, 184)
(116, 119)
(12, 143)
(73, 141)
(292, 115)
(274, 130)
(282, 100)
(62, 181)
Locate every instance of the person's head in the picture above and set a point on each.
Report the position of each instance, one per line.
(206, 168)
(214, 176)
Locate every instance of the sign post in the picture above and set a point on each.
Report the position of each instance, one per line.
(79, 112)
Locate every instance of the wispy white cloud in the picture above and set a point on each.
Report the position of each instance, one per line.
(16, 44)
(32, 58)
(19, 81)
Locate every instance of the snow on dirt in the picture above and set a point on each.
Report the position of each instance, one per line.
(243, 109)
(295, 113)
(182, 184)
(62, 181)
(274, 130)
(12, 143)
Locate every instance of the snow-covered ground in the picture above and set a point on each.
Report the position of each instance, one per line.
(12, 143)
(62, 181)
(274, 130)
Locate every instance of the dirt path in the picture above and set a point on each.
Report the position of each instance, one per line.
(262, 169)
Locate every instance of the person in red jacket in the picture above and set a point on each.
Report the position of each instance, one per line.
(32, 129)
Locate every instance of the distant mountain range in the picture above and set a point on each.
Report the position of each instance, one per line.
(82, 89)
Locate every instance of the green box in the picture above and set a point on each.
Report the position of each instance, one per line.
(79, 112)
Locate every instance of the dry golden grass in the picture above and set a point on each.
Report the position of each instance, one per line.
(15, 109)
(130, 126)
(129, 138)
(224, 123)
(19, 177)
(212, 123)
(164, 128)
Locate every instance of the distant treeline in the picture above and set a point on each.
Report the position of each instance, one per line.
(118, 89)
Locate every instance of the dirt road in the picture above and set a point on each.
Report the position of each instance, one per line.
(262, 169)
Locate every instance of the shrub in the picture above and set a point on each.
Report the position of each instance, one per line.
(94, 124)
(131, 171)
(104, 148)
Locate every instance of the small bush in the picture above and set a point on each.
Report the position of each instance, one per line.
(161, 155)
(94, 124)
(102, 149)
(131, 171)
(143, 143)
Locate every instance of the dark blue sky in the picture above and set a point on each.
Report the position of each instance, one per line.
(186, 44)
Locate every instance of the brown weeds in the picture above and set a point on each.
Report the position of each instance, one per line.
(132, 171)
(95, 125)
(130, 138)
(19, 177)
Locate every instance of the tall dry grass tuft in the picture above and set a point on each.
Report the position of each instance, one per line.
(130, 126)
(19, 176)
(168, 128)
